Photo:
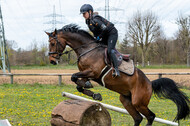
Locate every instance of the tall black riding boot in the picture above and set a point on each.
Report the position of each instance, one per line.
(115, 65)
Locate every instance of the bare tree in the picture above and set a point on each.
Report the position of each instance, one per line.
(128, 46)
(34, 49)
(184, 35)
(42, 54)
(125, 45)
(144, 29)
(161, 49)
(11, 44)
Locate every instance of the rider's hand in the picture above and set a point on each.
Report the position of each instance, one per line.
(98, 38)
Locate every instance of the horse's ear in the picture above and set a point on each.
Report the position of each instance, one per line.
(47, 33)
(55, 32)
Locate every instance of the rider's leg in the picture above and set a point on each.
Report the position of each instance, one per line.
(112, 39)
(115, 63)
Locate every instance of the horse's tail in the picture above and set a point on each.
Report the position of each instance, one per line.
(168, 89)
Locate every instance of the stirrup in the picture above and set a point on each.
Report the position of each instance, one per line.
(116, 73)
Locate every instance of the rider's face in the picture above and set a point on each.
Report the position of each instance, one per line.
(86, 15)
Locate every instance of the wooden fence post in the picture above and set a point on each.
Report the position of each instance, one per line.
(60, 79)
(11, 78)
(159, 75)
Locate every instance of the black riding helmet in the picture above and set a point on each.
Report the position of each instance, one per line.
(86, 8)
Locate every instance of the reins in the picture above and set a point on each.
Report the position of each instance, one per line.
(99, 45)
(66, 52)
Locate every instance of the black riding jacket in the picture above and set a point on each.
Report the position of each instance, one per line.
(99, 26)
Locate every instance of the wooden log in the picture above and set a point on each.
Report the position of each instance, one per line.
(80, 113)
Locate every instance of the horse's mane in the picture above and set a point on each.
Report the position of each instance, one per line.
(75, 29)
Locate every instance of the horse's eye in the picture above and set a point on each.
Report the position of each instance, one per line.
(52, 44)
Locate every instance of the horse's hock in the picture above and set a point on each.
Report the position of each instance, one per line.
(80, 113)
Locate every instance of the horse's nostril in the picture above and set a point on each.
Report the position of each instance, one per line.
(53, 62)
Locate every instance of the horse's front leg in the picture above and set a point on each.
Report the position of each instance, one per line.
(83, 83)
(89, 93)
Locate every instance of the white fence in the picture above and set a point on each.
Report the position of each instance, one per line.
(69, 74)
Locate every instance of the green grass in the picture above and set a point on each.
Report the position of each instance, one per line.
(27, 67)
(30, 105)
(66, 66)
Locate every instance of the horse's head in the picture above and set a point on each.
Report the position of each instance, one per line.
(56, 47)
(70, 35)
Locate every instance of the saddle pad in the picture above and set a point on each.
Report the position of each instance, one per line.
(127, 67)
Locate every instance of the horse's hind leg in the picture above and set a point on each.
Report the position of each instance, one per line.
(140, 101)
(126, 101)
(150, 117)
(147, 113)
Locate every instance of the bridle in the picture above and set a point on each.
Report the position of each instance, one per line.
(58, 44)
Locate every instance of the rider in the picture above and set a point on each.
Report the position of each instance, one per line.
(102, 30)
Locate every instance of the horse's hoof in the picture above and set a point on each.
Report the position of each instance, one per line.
(88, 84)
(97, 97)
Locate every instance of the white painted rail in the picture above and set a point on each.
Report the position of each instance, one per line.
(40, 74)
(114, 108)
(69, 74)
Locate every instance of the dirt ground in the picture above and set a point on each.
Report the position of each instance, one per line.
(183, 80)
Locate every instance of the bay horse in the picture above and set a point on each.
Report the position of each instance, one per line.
(135, 90)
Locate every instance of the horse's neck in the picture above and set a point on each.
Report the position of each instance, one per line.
(81, 47)
(80, 44)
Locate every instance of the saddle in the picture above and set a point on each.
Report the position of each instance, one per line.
(118, 55)
(125, 64)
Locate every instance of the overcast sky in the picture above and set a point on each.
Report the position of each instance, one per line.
(24, 20)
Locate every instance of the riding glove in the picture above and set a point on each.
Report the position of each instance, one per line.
(98, 38)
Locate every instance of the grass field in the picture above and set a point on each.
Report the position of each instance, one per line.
(30, 105)
(59, 66)
(74, 66)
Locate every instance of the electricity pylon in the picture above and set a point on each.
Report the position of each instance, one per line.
(107, 10)
(54, 21)
(4, 60)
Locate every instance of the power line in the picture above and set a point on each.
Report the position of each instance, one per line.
(170, 11)
(60, 10)
(25, 12)
(107, 9)
(48, 2)
(16, 21)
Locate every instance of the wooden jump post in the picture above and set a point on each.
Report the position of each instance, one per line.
(117, 109)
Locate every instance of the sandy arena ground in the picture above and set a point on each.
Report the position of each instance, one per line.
(181, 79)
